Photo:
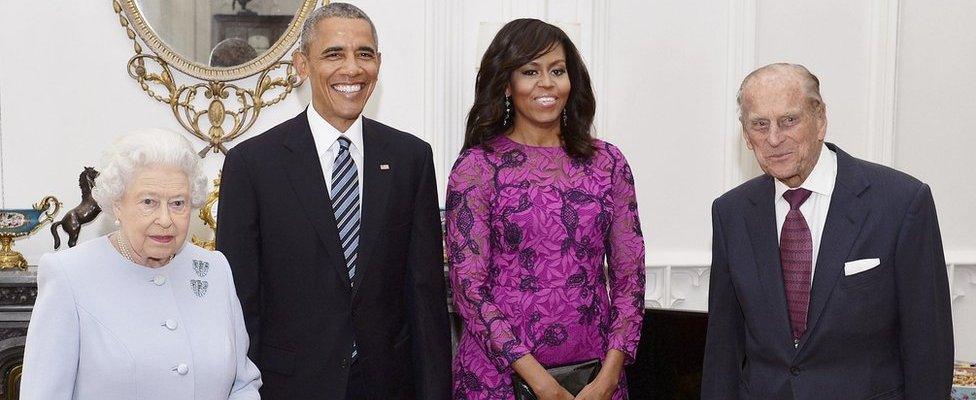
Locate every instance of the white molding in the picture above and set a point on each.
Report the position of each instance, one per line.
(512, 9)
(656, 290)
(741, 60)
(444, 118)
(436, 47)
(696, 296)
(3, 169)
(599, 63)
(956, 290)
(882, 76)
(704, 258)
(661, 292)
(961, 257)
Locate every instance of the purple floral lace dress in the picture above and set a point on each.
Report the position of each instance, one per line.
(528, 230)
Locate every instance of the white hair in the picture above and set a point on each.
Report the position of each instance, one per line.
(125, 157)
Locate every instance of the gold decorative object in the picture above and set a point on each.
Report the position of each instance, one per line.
(13, 382)
(964, 375)
(215, 110)
(15, 223)
(208, 213)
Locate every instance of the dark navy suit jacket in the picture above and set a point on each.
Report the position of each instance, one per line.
(277, 229)
(885, 333)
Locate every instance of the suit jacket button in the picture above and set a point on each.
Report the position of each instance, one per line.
(794, 371)
(344, 363)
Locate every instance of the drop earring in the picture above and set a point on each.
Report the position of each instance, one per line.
(565, 118)
(508, 110)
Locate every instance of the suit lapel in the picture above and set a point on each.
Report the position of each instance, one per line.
(305, 174)
(376, 191)
(761, 223)
(845, 216)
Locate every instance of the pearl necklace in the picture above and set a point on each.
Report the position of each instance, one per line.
(122, 247)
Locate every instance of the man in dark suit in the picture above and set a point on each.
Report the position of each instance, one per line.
(330, 222)
(828, 279)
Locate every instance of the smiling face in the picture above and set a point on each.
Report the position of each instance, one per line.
(342, 65)
(782, 125)
(154, 213)
(540, 89)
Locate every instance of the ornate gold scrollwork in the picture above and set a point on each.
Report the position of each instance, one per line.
(208, 213)
(202, 108)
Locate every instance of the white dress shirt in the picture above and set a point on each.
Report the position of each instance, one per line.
(104, 328)
(326, 139)
(821, 184)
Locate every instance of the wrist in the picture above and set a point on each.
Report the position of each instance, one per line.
(544, 385)
(607, 379)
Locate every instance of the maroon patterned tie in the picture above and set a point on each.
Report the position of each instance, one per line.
(796, 255)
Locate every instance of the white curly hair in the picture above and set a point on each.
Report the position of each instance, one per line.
(142, 149)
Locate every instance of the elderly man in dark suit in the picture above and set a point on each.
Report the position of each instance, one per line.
(828, 278)
(330, 222)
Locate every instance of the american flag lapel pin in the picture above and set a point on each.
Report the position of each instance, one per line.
(384, 167)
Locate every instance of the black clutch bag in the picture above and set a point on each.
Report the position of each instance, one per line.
(573, 377)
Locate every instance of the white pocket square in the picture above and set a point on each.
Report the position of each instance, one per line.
(858, 266)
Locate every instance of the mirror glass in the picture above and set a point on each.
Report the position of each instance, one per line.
(219, 33)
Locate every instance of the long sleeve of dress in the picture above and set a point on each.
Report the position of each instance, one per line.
(52, 349)
(468, 240)
(625, 259)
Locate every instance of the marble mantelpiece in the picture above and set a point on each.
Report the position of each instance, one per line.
(18, 290)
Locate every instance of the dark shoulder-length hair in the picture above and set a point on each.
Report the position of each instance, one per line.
(516, 44)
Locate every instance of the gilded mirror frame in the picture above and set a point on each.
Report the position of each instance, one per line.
(274, 53)
(213, 109)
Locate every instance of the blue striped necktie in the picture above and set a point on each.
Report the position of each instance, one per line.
(345, 204)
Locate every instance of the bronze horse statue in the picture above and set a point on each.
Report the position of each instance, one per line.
(80, 215)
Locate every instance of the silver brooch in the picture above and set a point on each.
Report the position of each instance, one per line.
(201, 268)
(199, 287)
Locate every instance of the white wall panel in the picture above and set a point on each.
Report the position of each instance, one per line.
(832, 38)
(934, 138)
(665, 103)
(896, 76)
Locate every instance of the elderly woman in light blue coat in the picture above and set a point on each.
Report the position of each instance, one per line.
(140, 313)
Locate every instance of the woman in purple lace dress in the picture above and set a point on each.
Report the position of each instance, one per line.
(535, 206)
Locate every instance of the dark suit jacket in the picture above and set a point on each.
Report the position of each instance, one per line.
(885, 333)
(276, 227)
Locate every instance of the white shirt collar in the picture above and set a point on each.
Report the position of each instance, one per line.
(326, 135)
(822, 178)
